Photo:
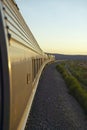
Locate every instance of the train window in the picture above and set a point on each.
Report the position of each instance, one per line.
(28, 78)
(39, 63)
(37, 66)
(33, 69)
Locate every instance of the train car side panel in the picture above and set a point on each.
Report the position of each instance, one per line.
(22, 62)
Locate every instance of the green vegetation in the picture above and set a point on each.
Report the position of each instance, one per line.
(75, 88)
(79, 70)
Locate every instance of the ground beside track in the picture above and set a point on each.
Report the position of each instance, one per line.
(53, 107)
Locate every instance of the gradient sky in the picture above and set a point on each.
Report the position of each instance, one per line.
(59, 26)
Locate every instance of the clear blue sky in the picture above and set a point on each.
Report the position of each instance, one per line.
(59, 26)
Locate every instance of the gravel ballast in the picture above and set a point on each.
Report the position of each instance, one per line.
(53, 107)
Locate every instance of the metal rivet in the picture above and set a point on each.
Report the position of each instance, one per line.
(9, 36)
(5, 17)
(7, 27)
(3, 8)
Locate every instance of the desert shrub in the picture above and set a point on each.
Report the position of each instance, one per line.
(74, 87)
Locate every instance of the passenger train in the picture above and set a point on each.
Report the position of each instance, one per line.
(21, 63)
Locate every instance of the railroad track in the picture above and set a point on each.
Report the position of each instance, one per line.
(53, 107)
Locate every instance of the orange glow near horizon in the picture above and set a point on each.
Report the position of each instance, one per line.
(58, 26)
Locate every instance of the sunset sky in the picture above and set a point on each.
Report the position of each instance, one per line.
(59, 26)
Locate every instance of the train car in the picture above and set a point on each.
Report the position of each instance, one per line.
(21, 64)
